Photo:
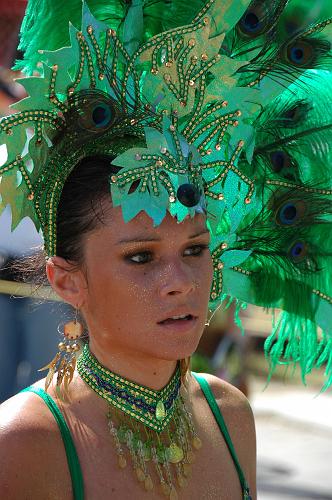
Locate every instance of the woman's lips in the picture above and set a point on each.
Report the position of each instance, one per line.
(180, 325)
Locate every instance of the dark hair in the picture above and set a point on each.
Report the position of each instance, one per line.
(80, 209)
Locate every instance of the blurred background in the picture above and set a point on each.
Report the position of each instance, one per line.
(294, 423)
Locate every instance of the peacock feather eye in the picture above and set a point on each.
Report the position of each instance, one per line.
(255, 20)
(290, 212)
(96, 116)
(300, 53)
(101, 115)
(250, 23)
(295, 114)
(280, 160)
(298, 251)
(96, 112)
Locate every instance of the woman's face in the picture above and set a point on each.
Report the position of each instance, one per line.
(147, 287)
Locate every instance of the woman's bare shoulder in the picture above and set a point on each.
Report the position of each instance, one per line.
(25, 412)
(232, 403)
(239, 419)
(227, 396)
(28, 438)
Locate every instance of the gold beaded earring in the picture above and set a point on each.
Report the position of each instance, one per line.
(64, 362)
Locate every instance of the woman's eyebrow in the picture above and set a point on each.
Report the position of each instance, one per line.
(138, 240)
(200, 233)
(145, 239)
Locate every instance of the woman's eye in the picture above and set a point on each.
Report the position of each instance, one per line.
(140, 258)
(196, 250)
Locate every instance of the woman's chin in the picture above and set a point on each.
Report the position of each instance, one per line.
(174, 347)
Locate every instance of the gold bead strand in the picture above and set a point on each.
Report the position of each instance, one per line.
(113, 72)
(122, 462)
(178, 47)
(172, 164)
(181, 479)
(169, 51)
(96, 48)
(172, 87)
(171, 488)
(322, 295)
(52, 91)
(26, 179)
(241, 270)
(187, 132)
(183, 432)
(195, 135)
(148, 484)
(203, 11)
(91, 68)
(136, 466)
(39, 133)
(159, 471)
(167, 185)
(153, 177)
(184, 80)
(205, 68)
(196, 441)
(106, 48)
(80, 69)
(9, 166)
(177, 144)
(322, 191)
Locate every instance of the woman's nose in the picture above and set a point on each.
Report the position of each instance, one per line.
(177, 279)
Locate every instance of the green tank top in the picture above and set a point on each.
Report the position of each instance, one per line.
(72, 458)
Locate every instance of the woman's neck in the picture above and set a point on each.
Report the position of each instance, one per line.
(141, 369)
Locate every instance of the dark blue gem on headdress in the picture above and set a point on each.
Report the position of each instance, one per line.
(188, 194)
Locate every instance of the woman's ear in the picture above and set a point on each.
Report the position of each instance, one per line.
(69, 284)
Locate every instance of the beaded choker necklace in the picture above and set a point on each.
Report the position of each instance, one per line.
(153, 429)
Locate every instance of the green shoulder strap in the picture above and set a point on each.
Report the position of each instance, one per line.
(73, 462)
(222, 425)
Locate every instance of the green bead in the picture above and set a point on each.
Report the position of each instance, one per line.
(160, 411)
(136, 442)
(174, 453)
(147, 451)
(122, 434)
(161, 454)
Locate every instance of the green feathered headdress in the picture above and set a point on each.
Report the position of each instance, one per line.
(203, 108)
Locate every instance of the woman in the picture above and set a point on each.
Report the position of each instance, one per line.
(128, 281)
(157, 175)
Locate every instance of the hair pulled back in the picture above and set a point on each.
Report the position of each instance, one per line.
(80, 209)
